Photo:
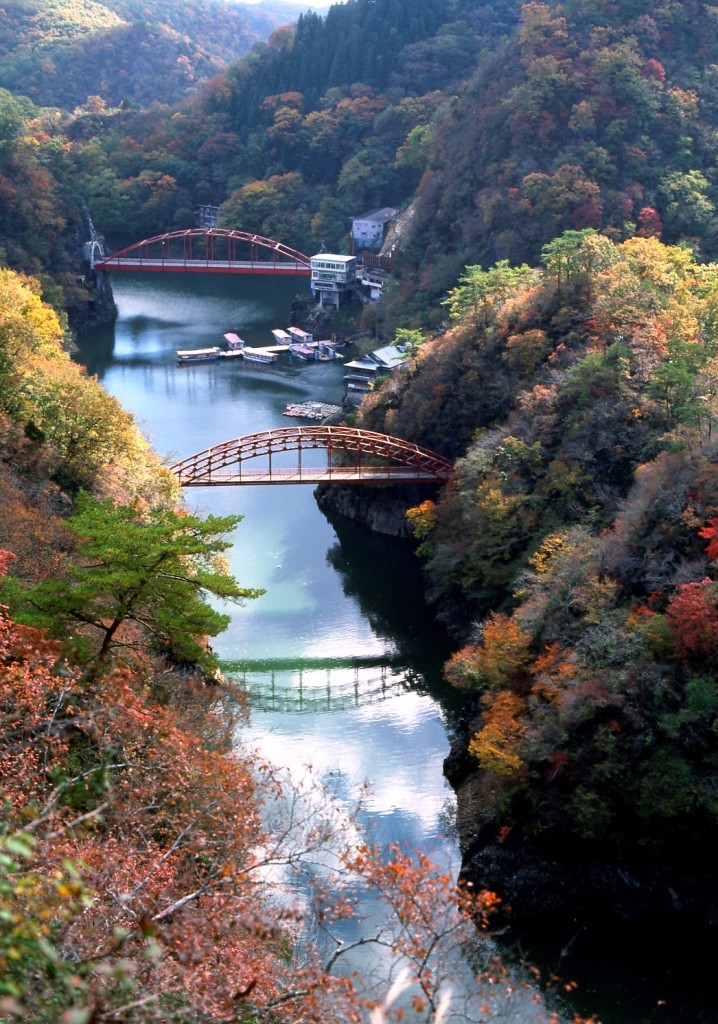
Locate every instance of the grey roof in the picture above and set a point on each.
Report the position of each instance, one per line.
(386, 358)
(383, 215)
(389, 356)
(362, 363)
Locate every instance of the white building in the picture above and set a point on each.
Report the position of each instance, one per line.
(369, 230)
(364, 371)
(373, 279)
(333, 277)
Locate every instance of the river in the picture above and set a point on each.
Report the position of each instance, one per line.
(341, 658)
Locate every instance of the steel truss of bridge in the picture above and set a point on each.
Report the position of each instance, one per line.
(209, 250)
(353, 456)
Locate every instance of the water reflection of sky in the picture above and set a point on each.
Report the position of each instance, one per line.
(316, 605)
(397, 745)
(340, 623)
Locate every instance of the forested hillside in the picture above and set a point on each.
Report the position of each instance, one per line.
(60, 53)
(41, 229)
(576, 552)
(501, 124)
(558, 280)
(593, 115)
(52, 162)
(318, 124)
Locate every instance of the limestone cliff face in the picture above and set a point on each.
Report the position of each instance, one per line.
(398, 230)
(382, 509)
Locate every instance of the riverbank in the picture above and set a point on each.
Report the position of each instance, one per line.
(381, 509)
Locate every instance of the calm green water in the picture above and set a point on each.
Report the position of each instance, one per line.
(341, 657)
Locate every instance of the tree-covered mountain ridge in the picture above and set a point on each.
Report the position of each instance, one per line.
(502, 124)
(575, 552)
(60, 52)
(289, 166)
(592, 115)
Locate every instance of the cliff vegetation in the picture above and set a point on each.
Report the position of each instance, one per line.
(574, 552)
(150, 866)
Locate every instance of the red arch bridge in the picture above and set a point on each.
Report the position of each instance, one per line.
(353, 456)
(208, 250)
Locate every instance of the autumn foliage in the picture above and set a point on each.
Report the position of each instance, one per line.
(693, 614)
(154, 819)
(573, 556)
(148, 869)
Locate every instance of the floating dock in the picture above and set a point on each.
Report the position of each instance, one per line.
(312, 410)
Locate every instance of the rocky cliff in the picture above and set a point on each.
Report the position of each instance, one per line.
(382, 509)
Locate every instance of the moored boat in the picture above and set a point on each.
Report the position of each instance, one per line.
(234, 341)
(281, 337)
(303, 352)
(299, 337)
(198, 355)
(258, 355)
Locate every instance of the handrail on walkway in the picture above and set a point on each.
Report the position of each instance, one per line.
(375, 458)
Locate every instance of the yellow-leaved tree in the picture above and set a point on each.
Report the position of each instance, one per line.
(94, 441)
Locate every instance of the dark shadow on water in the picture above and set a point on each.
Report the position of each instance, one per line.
(385, 577)
(626, 973)
(95, 349)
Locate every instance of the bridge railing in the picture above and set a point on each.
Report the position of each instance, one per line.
(209, 248)
(375, 457)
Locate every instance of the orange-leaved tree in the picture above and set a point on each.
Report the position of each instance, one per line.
(139, 883)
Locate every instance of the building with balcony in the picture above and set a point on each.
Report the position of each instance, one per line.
(206, 216)
(333, 277)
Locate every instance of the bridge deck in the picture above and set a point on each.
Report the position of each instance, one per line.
(202, 266)
(313, 475)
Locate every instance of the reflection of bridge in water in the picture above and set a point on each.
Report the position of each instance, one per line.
(321, 684)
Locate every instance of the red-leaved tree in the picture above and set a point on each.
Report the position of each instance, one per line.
(693, 613)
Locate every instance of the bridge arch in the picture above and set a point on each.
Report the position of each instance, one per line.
(209, 249)
(373, 458)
